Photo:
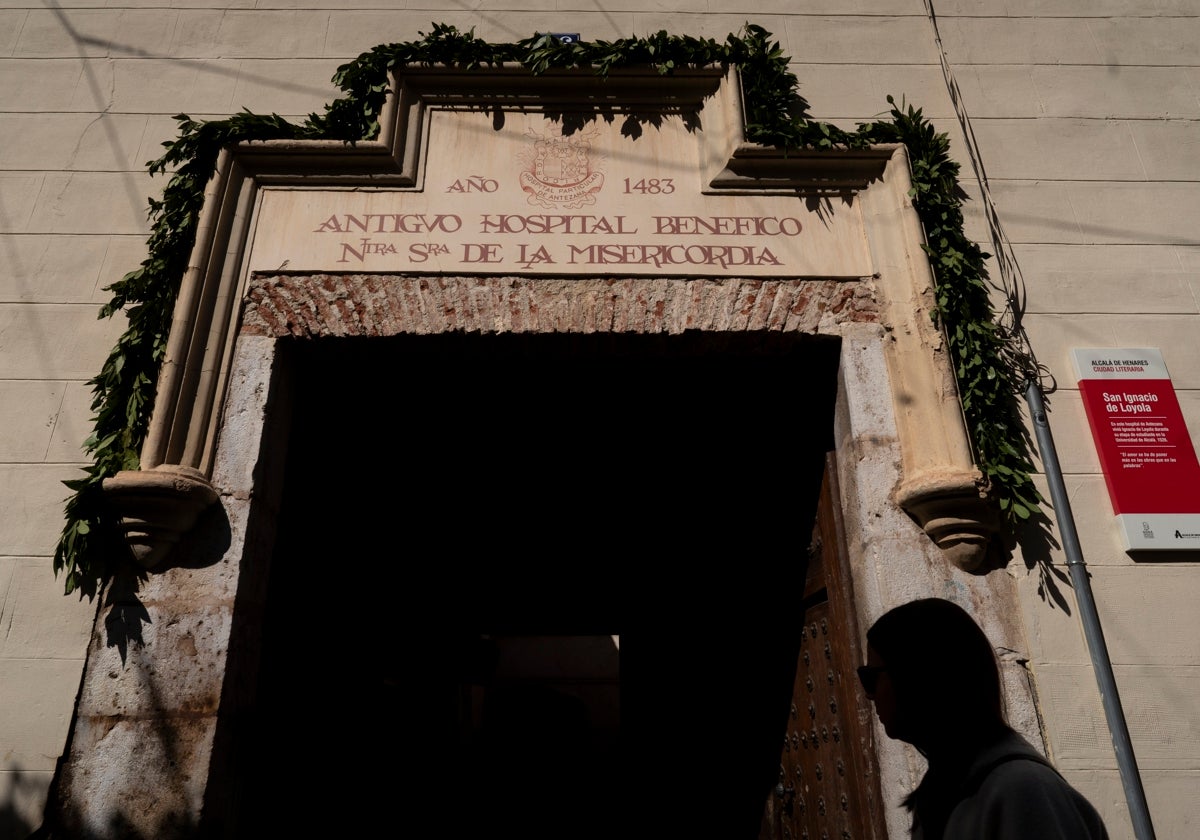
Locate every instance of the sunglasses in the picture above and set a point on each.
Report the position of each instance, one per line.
(868, 675)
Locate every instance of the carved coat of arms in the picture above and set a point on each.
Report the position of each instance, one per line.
(561, 172)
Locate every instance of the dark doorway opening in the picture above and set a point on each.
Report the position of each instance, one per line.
(450, 497)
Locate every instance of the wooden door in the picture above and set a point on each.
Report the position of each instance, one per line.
(828, 785)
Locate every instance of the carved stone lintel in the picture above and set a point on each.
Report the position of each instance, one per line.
(158, 506)
(954, 511)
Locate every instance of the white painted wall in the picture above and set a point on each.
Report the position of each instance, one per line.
(1087, 115)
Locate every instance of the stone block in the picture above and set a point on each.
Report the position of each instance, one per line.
(1162, 712)
(72, 425)
(24, 794)
(40, 621)
(836, 92)
(1169, 149)
(110, 142)
(28, 410)
(1103, 788)
(1116, 92)
(354, 32)
(1069, 426)
(921, 86)
(1100, 212)
(123, 255)
(1051, 620)
(176, 668)
(196, 34)
(166, 86)
(161, 128)
(1036, 211)
(285, 87)
(1116, 279)
(890, 8)
(37, 698)
(212, 4)
(1034, 40)
(243, 33)
(62, 268)
(32, 497)
(73, 33)
(71, 141)
(61, 85)
(1059, 149)
(64, 341)
(1170, 797)
(20, 192)
(1099, 535)
(551, 6)
(1189, 258)
(249, 388)
(11, 23)
(1174, 335)
(998, 91)
(845, 40)
(1148, 613)
(1136, 213)
(93, 202)
(325, 4)
(868, 398)
(1147, 40)
(975, 221)
(171, 756)
(522, 24)
(1189, 404)
(1032, 8)
(68, 33)
(1053, 336)
(585, 8)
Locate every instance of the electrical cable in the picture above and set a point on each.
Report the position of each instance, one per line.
(1011, 322)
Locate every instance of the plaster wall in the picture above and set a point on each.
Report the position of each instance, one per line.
(1085, 115)
(1087, 132)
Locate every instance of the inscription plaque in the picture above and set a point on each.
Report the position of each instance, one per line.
(529, 197)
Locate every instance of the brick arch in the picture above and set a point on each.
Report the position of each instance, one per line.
(311, 305)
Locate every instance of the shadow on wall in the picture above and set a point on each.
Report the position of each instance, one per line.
(172, 825)
(165, 744)
(22, 789)
(162, 748)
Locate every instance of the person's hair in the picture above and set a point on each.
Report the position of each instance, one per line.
(947, 684)
(941, 664)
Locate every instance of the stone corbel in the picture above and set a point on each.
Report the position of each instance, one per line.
(157, 507)
(953, 509)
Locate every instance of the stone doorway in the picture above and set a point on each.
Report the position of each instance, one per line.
(451, 498)
(154, 738)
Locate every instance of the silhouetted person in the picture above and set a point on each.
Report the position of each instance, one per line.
(933, 678)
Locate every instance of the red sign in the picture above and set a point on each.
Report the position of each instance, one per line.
(1148, 459)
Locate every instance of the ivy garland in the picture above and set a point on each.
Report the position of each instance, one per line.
(991, 373)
